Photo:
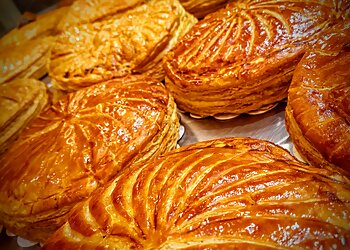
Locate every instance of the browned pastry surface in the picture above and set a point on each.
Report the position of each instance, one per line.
(27, 60)
(200, 8)
(82, 11)
(131, 43)
(242, 57)
(223, 194)
(318, 111)
(21, 100)
(44, 25)
(79, 144)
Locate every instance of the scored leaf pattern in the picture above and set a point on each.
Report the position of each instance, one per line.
(222, 193)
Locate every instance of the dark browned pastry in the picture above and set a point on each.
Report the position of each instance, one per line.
(133, 42)
(318, 110)
(222, 194)
(242, 57)
(78, 145)
(200, 8)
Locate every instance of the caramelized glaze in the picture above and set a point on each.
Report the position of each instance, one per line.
(224, 194)
(242, 57)
(79, 144)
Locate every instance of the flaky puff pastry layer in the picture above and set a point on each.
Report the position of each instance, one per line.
(131, 43)
(21, 100)
(27, 60)
(200, 8)
(241, 58)
(224, 194)
(78, 145)
(44, 25)
(318, 110)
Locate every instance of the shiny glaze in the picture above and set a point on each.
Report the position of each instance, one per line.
(242, 57)
(79, 144)
(200, 8)
(319, 101)
(132, 42)
(227, 194)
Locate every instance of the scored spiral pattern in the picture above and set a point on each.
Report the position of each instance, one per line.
(242, 57)
(233, 193)
(79, 144)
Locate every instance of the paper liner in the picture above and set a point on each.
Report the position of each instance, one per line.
(297, 155)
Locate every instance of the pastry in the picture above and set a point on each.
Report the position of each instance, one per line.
(242, 57)
(21, 101)
(82, 11)
(132, 43)
(43, 25)
(78, 145)
(27, 60)
(318, 109)
(224, 194)
(200, 8)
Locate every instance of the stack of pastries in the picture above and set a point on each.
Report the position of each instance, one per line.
(222, 194)
(242, 57)
(131, 42)
(78, 145)
(98, 161)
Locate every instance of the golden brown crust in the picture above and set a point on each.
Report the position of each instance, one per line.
(318, 114)
(27, 60)
(79, 144)
(82, 11)
(131, 43)
(21, 100)
(242, 57)
(201, 8)
(231, 193)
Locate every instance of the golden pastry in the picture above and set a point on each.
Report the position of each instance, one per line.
(78, 145)
(27, 60)
(223, 194)
(44, 25)
(200, 8)
(82, 11)
(242, 57)
(21, 101)
(132, 43)
(318, 110)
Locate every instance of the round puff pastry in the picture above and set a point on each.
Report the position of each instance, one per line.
(21, 100)
(79, 144)
(242, 58)
(200, 8)
(318, 109)
(131, 43)
(82, 11)
(223, 194)
(44, 25)
(27, 60)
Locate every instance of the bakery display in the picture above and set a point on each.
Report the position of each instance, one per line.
(82, 11)
(21, 101)
(242, 58)
(43, 25)
(78, 145)
(27, 60)
(200, 8)
(223, 194)
(131, 43)
(317, 113)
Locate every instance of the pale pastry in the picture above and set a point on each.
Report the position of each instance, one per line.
(83, 11)
(27, 60)
(200, 8)
(318, 110)
(78, 145)
(21, 100)
(242, 57)
(224, 194)
(132, 43)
